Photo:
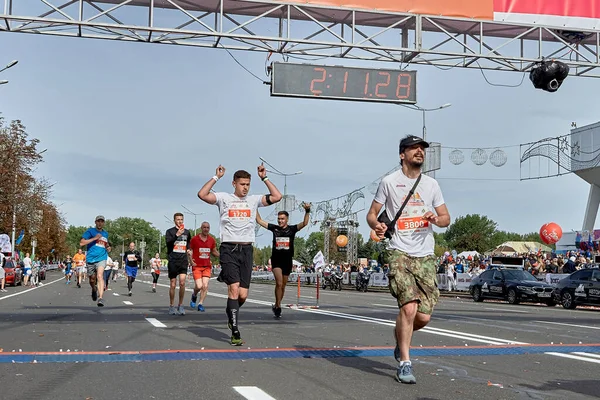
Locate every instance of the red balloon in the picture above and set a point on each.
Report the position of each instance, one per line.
(550, 233)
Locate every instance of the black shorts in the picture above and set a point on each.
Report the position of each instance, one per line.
(286, 268)
(176, 269)
(236, 263)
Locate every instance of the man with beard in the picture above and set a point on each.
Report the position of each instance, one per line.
(411, 247)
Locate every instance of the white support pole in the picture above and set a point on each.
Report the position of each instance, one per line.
(591, 210)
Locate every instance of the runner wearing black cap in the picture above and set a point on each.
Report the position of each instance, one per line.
(411, 248)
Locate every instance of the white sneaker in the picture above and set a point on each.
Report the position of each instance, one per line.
(172, 310)
(180, 310)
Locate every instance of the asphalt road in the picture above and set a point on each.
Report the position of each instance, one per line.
(57, 344)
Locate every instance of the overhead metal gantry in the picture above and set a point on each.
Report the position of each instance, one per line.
(308, 31)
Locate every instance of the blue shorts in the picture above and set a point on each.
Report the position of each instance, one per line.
(67, 270)
(131, 271)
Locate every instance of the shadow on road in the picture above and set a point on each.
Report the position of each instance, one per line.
(585, 387)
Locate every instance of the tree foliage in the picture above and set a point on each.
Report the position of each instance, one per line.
(26, 195)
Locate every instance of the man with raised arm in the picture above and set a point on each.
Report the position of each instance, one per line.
(237, 231)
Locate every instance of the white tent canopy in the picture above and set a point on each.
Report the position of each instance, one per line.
(296, 263)
(466, 254)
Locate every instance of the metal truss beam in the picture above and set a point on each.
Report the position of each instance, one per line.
(301, 31)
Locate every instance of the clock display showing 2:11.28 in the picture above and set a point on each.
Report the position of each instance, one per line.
(363, 84)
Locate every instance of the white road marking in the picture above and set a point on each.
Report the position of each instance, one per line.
(592, 355)
(385, 305)
(128, 303)
(116, 294)
(33, 288)
(577, 326)
(252, 393)
(156, 323)
(573, 357)
(505, 309)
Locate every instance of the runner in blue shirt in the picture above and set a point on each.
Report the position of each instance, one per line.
(96, 240)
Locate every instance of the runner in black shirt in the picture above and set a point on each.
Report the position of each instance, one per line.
(283, 251)
(178, 253)
(131, 258)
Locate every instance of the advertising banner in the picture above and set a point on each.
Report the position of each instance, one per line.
(565, 14)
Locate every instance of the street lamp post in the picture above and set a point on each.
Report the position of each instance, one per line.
(9, 65)
(195, 215)
(423, 112)
(278, 172)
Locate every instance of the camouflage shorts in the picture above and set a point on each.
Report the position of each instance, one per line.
(413, 278)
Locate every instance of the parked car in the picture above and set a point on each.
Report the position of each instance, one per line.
(581, 287)
(13, 275)
(512, 285)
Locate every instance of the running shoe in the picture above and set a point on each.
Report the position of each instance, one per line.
(180, 310)
(200, 307)
(404, 373)
(193, 302)
(236, 339)
(130, 293)
(94, 294)
(172, 310)
(100, 302)
(277, 312)
(153, 290)
(397, 348)
(78, 285)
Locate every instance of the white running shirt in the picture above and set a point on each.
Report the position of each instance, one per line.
(413, 235)
(237, 217)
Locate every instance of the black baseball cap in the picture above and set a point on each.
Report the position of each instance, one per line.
(411, 140)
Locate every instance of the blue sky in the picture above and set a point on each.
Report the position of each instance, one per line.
(136, 129)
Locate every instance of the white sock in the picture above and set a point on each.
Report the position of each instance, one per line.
(405, 362)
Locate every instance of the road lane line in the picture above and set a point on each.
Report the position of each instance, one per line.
(385, 305)
(577, 326)
(33, 288)
(573, 357)
(128, 303)
(592, 355)
(387, 322)
(505, 309)
(156, 323)
(252, 393)
(116, 294)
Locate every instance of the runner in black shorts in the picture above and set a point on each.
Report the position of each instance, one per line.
(237, 222)
(178, 252)
(283, 251)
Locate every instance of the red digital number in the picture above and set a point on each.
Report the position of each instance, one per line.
(403, 89)
(345, 82)
(318, 80)
(366, 83)
(387, 82)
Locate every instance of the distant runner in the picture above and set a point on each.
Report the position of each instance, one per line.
(79, 260)
(155, 267)
(131, 258)
(203, 246)
(68, 271)
(178, 252)
(282, 253)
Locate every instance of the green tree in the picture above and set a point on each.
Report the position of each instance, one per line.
(471, 232)
(314, 243)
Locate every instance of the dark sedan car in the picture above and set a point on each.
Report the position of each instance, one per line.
(513, 285)
(581, 287)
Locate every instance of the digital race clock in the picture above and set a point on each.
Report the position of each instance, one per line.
(343, 83)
